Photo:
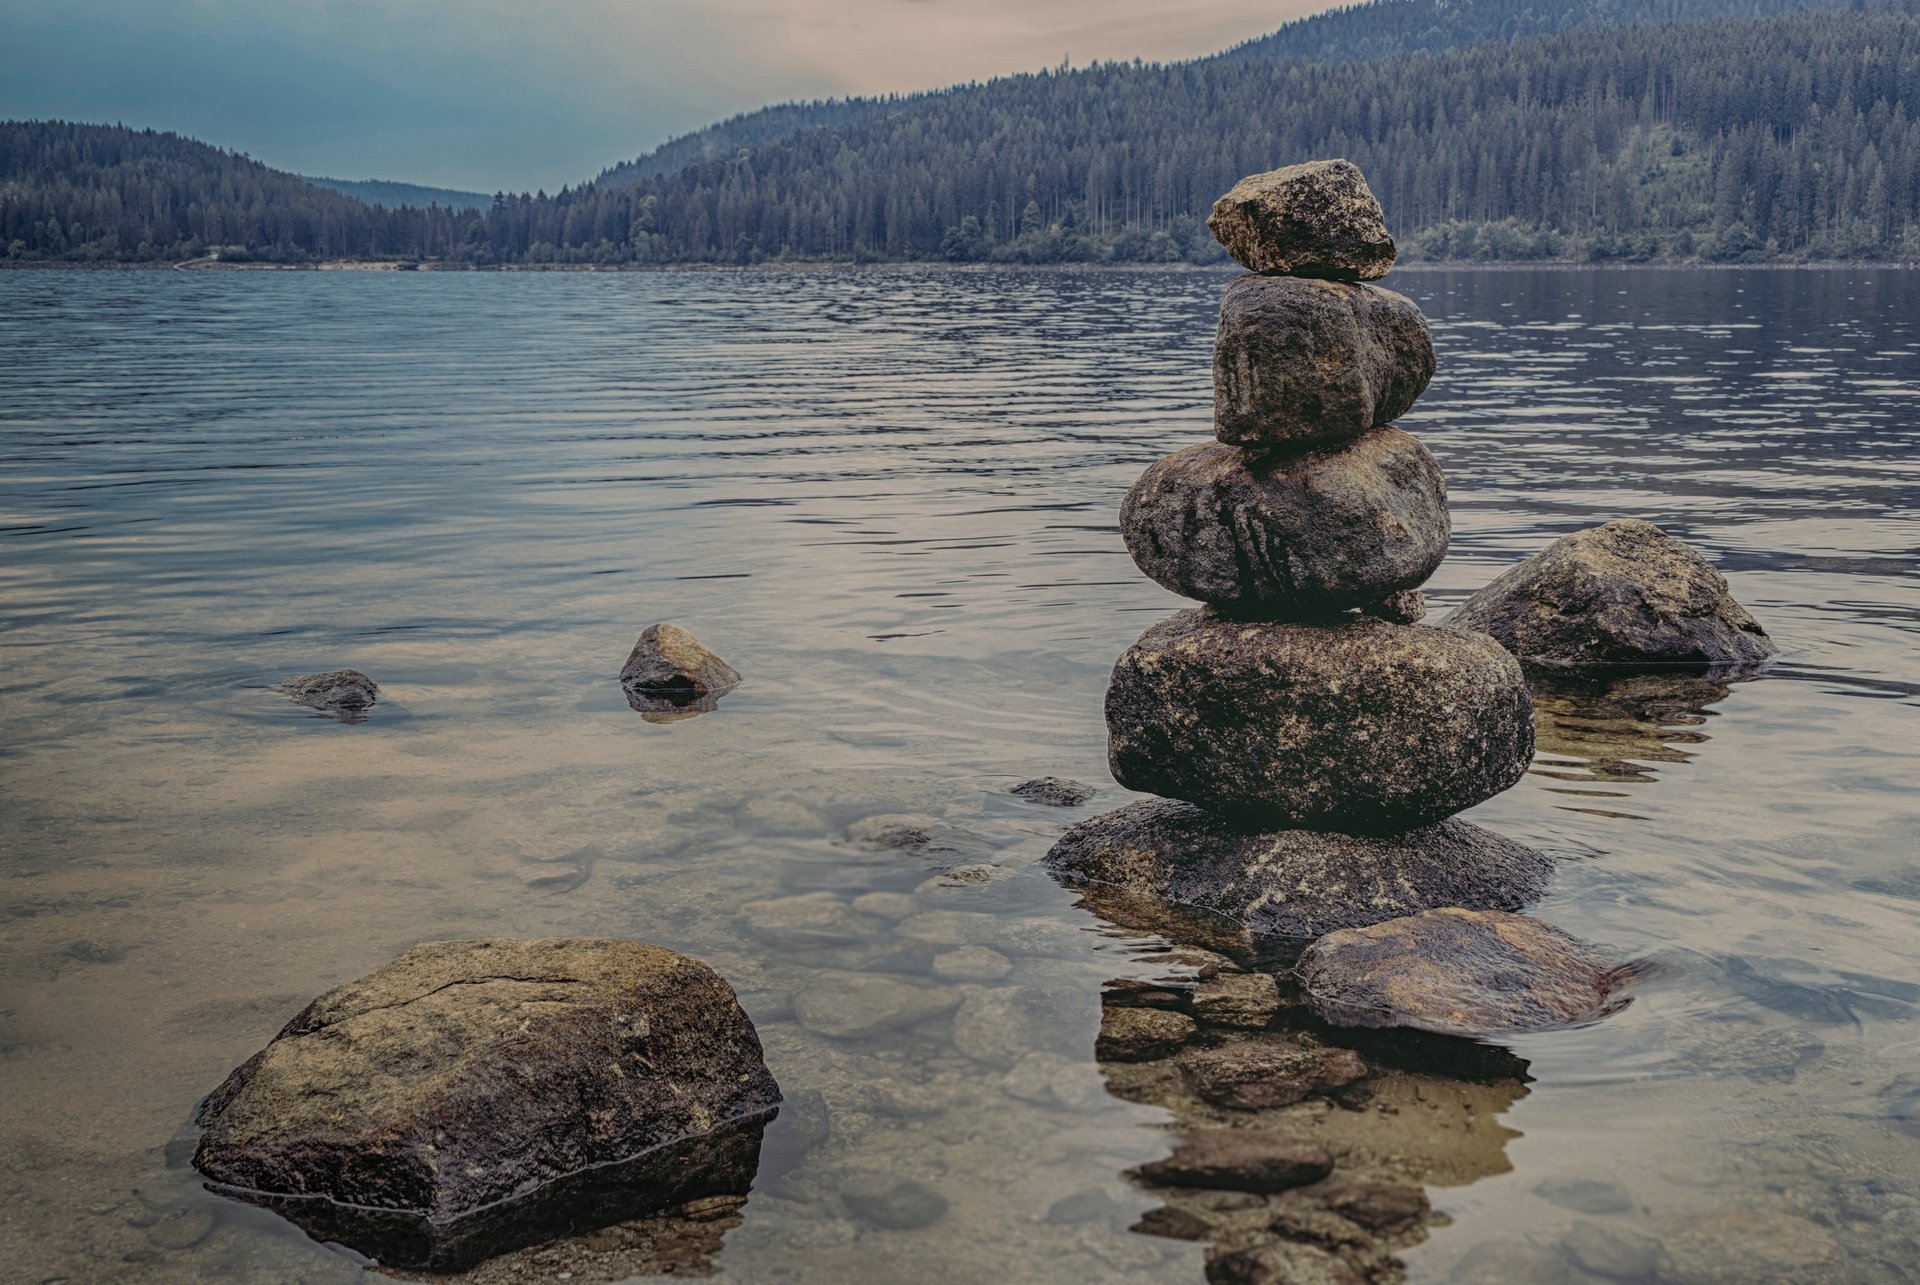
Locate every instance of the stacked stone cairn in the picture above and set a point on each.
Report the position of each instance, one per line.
(1310, 741)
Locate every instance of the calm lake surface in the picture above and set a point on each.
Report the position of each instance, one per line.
(890, 499)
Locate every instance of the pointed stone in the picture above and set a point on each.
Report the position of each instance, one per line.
(669, 662)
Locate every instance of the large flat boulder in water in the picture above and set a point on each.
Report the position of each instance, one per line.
(1622, 594)
(1316, 219)
(1283, 537)
(1296, 883)
(1301, 362)
(457, 1102)
(1361, 727)
(1459, 972)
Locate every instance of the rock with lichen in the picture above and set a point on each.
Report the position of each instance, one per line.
(1315, 219)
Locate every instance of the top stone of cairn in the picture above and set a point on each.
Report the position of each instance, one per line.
(1318, 219)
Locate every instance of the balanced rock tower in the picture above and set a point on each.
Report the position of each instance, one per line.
(1309, 739)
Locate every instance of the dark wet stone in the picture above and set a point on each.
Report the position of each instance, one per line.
(1315, 363)
(1379, 1206)
(1290, 536)
(1622, 594)
(449, 1105)
(1408, 607)
(897, 833)
(1054, 792)
(1296, 883)
(1364, 726)
(343, 691)
(1260, 1076)
(1141, 1034)
(1316, 219)
(1282, 1263)
(1172, 1223)
(1244, 1000)
(1459, 972)
(1240, 1160)
(670, 663)
(897, 1204)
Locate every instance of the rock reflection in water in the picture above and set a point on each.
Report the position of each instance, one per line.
(1613, 729)
(664, 1211)
(666, 707)
(1300, 1152)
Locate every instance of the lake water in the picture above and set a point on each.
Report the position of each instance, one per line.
(889, 498)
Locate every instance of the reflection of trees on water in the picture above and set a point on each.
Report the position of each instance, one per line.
(1607, 730)
(1255, 1085)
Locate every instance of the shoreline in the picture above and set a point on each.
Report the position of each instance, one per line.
(837, 265)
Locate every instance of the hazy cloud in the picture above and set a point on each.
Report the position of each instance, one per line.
(535, 93)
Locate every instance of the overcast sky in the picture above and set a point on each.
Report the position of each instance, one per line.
(488, 94)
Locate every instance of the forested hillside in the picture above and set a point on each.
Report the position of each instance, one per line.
(99, 192)
(394, 195)
(1382, 28)
(1791, 138)
(1373, 29)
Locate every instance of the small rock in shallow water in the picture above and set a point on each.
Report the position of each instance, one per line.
(1360, 727)
(1296, 883)
(1262, 1076)
(1053, 791)
(1246, 1000)
(1458, 972)
(1618, 1253)
(854, 1005)
(671, 663)
(1622, 594)
(181, 1228)
(971, 964)
(1315, 219)
(345, 691)
(896, 1204)
(1290, 536)
(893, 833)
(1141, 1034)
(1282, 1263)
(535, 1075)
(1240, 1160)
(1585, 1195)
(1001, 1026)
(1314, 363)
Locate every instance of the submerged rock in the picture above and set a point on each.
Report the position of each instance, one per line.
(1459, 972)
(892, 1202)
(1364, 726)
(1622, 594)
(344, 691)
(1141, 1034)
(1317, 219)
(1315, 363)
(1297, 883)
(460, 1100)
(846, 1006)
(1260, 1076)
(1240, 1160)
(670, 664)
(1053, 791)
(1287, 536)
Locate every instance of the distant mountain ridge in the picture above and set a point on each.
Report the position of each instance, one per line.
(1788, 139)
(394, 195)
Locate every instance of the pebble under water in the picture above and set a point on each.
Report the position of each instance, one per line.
(890, 499)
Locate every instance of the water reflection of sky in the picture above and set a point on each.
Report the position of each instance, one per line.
(889, 499)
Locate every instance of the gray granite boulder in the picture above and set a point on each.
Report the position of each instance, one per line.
(1290, 536)
(1622, 594)
(1301, 362)
(1362, 727)
(445, 1107)
(1296, 883)
(1317, 219)
(670, 663)
(1459, 972)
